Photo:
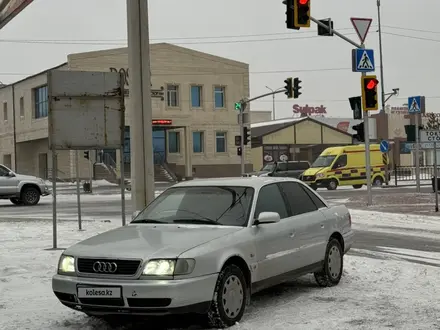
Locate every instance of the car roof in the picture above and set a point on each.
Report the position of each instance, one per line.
(254, 182)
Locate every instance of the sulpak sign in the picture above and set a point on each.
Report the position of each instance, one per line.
(308, 110)
(11, 8)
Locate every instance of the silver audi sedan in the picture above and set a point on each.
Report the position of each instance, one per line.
(205, 246)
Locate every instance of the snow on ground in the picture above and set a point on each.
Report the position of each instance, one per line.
(375, 293)
(403, 224)
(95, 183)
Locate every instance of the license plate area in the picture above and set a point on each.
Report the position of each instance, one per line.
(100, 295)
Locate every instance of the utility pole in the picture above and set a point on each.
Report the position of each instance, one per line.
(381, 56)
(141, 134)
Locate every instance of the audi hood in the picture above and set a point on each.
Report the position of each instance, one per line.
(147, 241)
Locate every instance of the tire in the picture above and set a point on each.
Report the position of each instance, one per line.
(16, 201)
(331, 272)
(220, 314)
(357, 186)
(332, 185)
(378, 181)
(314, 186)
(30, 196)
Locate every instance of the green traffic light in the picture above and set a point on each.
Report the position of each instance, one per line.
(237, 106)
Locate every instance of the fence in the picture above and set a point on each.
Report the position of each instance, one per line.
(408, 174)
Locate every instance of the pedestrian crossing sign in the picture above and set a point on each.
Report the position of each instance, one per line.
(363, 60)
(414, 104)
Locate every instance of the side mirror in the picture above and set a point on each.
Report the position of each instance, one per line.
(135, 214)
(11, 174)
(267, 217)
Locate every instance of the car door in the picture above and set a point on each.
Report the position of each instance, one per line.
(309, 224)
(8, 184)
(273, 242)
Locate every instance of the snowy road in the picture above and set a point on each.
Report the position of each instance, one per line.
(383, 286)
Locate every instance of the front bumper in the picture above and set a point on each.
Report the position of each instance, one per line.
(138, 297)
(45, 191)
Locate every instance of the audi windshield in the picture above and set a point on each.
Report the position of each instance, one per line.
(210, 205)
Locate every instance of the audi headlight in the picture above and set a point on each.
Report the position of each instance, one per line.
(169, 267)
(320, 175)
(66, 265)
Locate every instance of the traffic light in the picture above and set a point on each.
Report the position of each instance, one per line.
(289, 88)
(239, 151)
(86, 155)
(301, 13)
(246, 136)
(369, 93)
(296, 88)
(290, 15)
(410, 131)
(360, 133)
(356, 106)
(237, 106)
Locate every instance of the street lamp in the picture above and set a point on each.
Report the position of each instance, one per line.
(273, 99)
(381, 57)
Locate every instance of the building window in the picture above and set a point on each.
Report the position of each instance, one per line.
(198, 139)
(22, 106)
(219, 97)
(220, 141)
(5, 111)
(196, 96)
(173, 142)
(41, 102)
(173, 96)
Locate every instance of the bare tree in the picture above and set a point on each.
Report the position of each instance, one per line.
(433, 121)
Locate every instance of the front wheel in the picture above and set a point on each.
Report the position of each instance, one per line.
(331, 272)
(230, 297)
(332, 185)
(30, 196)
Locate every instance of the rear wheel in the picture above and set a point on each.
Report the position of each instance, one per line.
(378, 181)
(16, 201)
(230, 297)
(331, 272)
(30, 196)
(332, 185)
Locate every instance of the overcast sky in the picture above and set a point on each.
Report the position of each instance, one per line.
(411, 51)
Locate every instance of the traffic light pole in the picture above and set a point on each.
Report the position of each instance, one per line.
(243, 105)
(243, 153)
(367, 151)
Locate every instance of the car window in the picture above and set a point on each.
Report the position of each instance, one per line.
(341, 161)
(222, 205)
(298, 166)
(270, 199)
(3, 171)
(318, 202)
(299, 201)
(282, 167)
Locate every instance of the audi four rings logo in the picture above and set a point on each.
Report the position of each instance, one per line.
(105, 267)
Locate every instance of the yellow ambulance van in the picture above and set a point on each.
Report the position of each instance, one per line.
(345, 166)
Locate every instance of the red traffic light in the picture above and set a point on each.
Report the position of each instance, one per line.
(303, 2)
(372, 83)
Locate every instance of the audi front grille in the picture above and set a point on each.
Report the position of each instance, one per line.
(123, 267)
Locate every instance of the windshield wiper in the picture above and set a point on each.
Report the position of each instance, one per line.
(206, 221)
(147, 221)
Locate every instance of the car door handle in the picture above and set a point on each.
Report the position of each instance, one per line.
(322, 226)
(292, 235)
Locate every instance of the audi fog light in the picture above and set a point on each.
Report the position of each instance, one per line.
(66, 264)
(169, 267)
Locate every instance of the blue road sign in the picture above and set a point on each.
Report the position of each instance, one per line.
(384, 146)
(363, 60)
(414, 104)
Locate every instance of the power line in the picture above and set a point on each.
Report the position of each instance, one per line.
(213, 73)
(409, 29)
(411, 37)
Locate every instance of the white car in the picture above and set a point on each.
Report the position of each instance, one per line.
(206, 246)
